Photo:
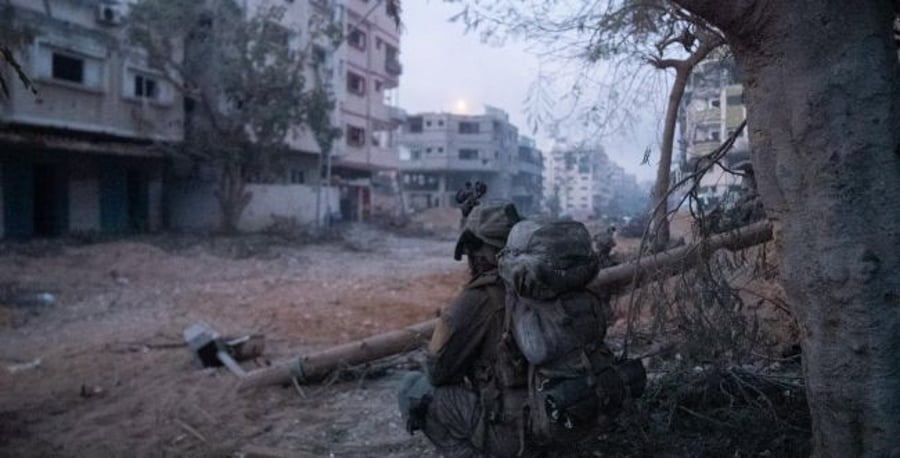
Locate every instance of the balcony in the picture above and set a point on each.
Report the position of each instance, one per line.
(393, 67)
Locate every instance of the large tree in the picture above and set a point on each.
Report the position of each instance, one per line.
(244, 72)
(822, 83)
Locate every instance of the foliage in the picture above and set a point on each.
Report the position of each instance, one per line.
(14, 36)
(599, 48)
(245, 72)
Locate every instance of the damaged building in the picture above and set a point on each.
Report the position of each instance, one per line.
(79, 155)
(443, 151)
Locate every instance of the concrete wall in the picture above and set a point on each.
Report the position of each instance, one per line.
(84, 205)
(192, 205)
(105, 101)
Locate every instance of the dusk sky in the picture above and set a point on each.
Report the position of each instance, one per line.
(445, 69)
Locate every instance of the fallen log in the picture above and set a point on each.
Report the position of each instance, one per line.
(680, 259)
(316, 366)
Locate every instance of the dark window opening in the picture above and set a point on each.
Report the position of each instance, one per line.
(469, 127)
(68, 68)
(145, 87)
(357, 39)
(415, 124)
(356, 136)
(356, 84)
(468, 154)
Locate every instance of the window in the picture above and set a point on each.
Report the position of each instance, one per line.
(357, 38)
(440, 149)
(714, 135)
(440, 122)
(416, 155)
(378, 86)
(68, 68)
(297, 177)
(378, 42)
(414, 123)
(356, 84)
(714, 103)
(468, 154)
(428, 150)
(145, 87)
(467, 127)
(427, 123)
(356, 136)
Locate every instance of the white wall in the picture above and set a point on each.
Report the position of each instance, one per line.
(193, 205)
(84, 205)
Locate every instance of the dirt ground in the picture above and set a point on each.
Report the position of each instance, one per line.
(110, 382)
(92, 361)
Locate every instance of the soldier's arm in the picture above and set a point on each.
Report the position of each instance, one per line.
(457, 338)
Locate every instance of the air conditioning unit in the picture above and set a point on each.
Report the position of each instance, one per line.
(111, 14)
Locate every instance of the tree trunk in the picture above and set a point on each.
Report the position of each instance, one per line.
(822, 85)
(233, 196)
(660, 222)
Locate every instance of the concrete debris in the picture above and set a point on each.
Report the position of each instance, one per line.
(212, 350)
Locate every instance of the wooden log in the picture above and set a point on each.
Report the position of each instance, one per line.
(315, 366)
(680, 259)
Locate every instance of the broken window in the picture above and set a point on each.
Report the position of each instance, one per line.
(356, 136)
(356, 84)
(68, 68)
(357, 38)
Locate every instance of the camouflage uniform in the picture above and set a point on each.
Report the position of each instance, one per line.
(469, 404)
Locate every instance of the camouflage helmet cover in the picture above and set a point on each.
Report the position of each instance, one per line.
(490, 223)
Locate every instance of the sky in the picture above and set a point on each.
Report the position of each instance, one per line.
(445, 69)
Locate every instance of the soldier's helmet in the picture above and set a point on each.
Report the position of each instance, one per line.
(489, 223)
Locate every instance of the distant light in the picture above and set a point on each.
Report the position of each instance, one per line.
(461, 106)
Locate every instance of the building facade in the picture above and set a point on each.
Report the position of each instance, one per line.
(78, 155)
(366, 73)
(713, 108)
(441, 152)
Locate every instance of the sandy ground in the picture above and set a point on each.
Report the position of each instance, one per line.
(110, 383)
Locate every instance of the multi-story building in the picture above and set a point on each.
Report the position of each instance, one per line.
(366, 75)
(77, 156)
(713, 109)
(582, 182)
(442, 151)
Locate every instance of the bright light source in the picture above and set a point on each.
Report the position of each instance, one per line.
(461, 106)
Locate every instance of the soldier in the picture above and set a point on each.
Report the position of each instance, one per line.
(470, 402)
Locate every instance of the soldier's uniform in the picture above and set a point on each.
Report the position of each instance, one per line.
(470, 401)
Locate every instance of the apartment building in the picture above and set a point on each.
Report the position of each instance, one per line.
(366, 71)
(442, 151)
(583, 183)
(713, 108)
(77, 155)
